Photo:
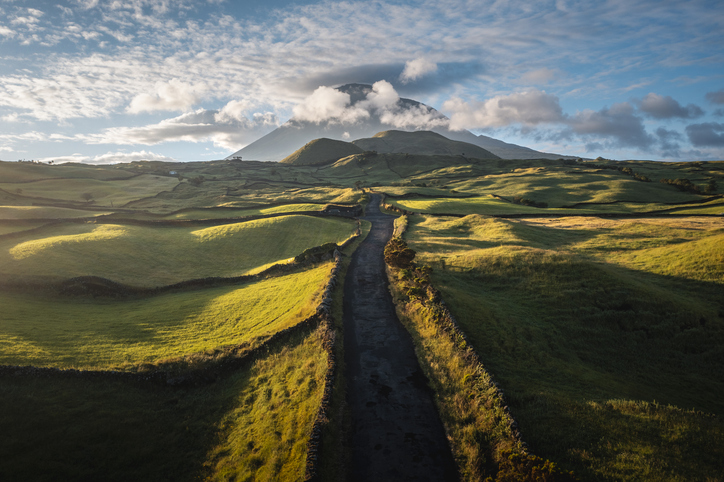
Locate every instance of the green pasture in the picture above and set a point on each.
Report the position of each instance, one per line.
(23, 172)
(100, 333)
(586, 324)
(232, 213)
(231, 194)
(9, 228)
(255, 421)
(156, 256)
(45, 212)
(101, 193)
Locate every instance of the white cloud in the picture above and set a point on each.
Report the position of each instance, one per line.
(414, 69)
(168, 96)
(202, 125)
(528, 108)
(6, 32)
(110, 158)
(327, 104)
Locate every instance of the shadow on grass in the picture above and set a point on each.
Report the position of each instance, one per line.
(101, 429)
(562, 333)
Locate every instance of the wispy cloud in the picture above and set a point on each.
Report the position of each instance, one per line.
(109, 158)
(226, 128)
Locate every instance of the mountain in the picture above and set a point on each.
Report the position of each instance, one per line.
(321, 151)
(426, 143)
(286, 139)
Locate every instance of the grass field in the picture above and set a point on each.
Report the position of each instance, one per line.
(155, 256)
(45, 212)
(256, 421)
(94, 333)
(22, 172)
(231, 213)
(102, 193)
(586, 325)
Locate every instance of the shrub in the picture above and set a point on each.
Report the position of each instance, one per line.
(519, 467)
(398, 254)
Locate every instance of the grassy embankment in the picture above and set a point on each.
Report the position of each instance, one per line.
(605, 335)
(156, 256)
(251, 425)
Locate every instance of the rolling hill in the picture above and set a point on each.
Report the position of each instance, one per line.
(320, 152)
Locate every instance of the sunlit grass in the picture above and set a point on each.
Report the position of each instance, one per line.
(256, 420)
(264, 437)
(570, 313)
(103, 193)
(154, 256)
(44, 212)
(75, 332)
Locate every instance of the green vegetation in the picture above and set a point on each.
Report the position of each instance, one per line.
(585, 328)
(606, 334)
(156, 256)
(320, 152)
(423, 143)
(255, 421)
(43, 212)
(95, 333)
(99, 192)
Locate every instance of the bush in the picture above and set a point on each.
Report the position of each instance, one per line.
(398, 254)
(518, 467)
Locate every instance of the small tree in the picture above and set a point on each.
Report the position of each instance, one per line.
(87, 196)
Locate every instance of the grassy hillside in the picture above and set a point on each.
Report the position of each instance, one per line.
(101, 193)
(96, 333)
(603, 358)
(321, 151)
(23, 172)
(256, 421)
(423, 143)
(156, 256)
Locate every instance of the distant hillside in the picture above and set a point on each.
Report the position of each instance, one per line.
(283, 141)
(421, 142)
(320, 152)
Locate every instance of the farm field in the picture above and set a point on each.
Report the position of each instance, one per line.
(605, 334)
(156, 256)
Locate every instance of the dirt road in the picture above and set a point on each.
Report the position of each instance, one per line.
(396, 430)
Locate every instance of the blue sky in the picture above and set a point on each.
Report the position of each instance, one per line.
(114, 81)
